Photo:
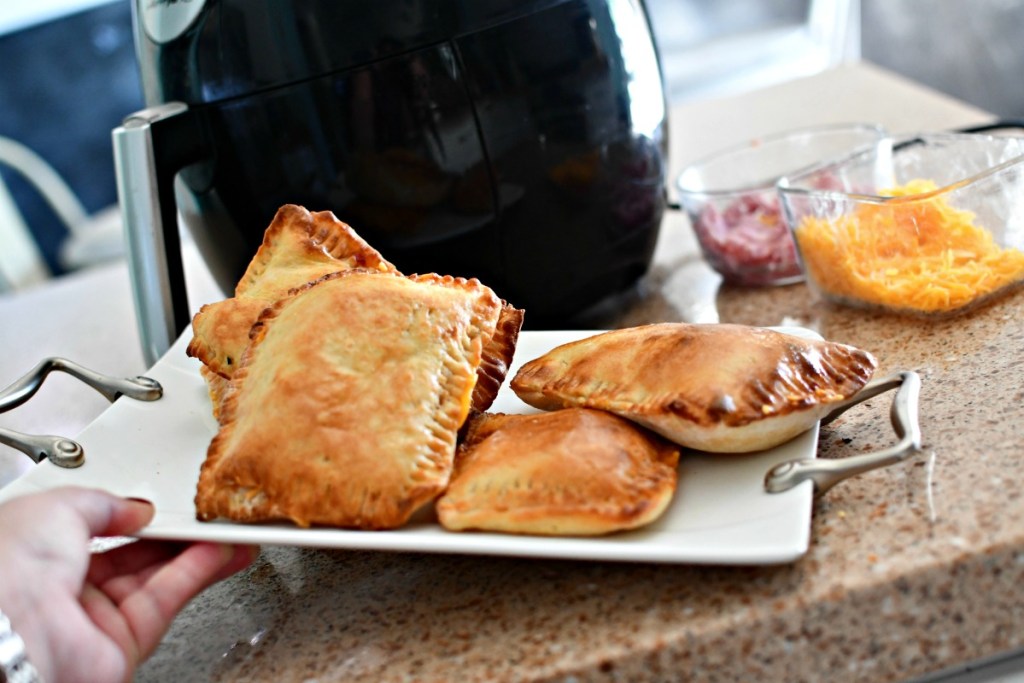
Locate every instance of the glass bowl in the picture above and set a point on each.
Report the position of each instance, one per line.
(929, 225)
(731, 199)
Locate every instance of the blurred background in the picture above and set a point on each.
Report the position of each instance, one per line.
(68, 77)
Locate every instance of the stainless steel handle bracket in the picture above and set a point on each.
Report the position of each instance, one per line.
(59, 450)
(827, 473)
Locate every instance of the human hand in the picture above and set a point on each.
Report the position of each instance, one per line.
(96, 617)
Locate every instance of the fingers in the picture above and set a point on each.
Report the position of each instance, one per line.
(105, 614)
(123, 515)
(152, 606)
(243, 556)
(131, 560)
(103, 514)
(123, 570)
(49, 532)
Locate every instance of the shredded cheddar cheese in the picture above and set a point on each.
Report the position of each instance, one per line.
(922, 255)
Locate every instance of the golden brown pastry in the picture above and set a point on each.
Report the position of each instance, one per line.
(568, 472)
(346, 405)
(219, 389)
(498, 351)
(719, 388)
(497, 355)
(298, 247)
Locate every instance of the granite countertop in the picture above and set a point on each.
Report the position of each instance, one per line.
(911, 569)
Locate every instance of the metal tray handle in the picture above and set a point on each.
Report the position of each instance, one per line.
(59, 450)
(826, 473)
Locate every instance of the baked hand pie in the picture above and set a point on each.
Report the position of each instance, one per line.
(345, 407)
(498, 352)
(568, 472)
(298, 247)
(712, 387)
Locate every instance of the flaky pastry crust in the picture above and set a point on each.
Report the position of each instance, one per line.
(498, 352)
(298, 247)
(568, 472)
(712, 387)
(345, 407)
(219, 388)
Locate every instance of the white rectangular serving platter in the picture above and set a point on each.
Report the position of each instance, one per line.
(720, 514)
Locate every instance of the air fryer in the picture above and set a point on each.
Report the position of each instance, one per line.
(519, 142)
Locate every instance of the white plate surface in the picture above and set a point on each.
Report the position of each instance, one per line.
(721, 513)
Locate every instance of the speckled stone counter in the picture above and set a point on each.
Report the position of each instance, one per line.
(911, 569)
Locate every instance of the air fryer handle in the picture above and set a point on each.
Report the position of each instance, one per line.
(150, 147)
